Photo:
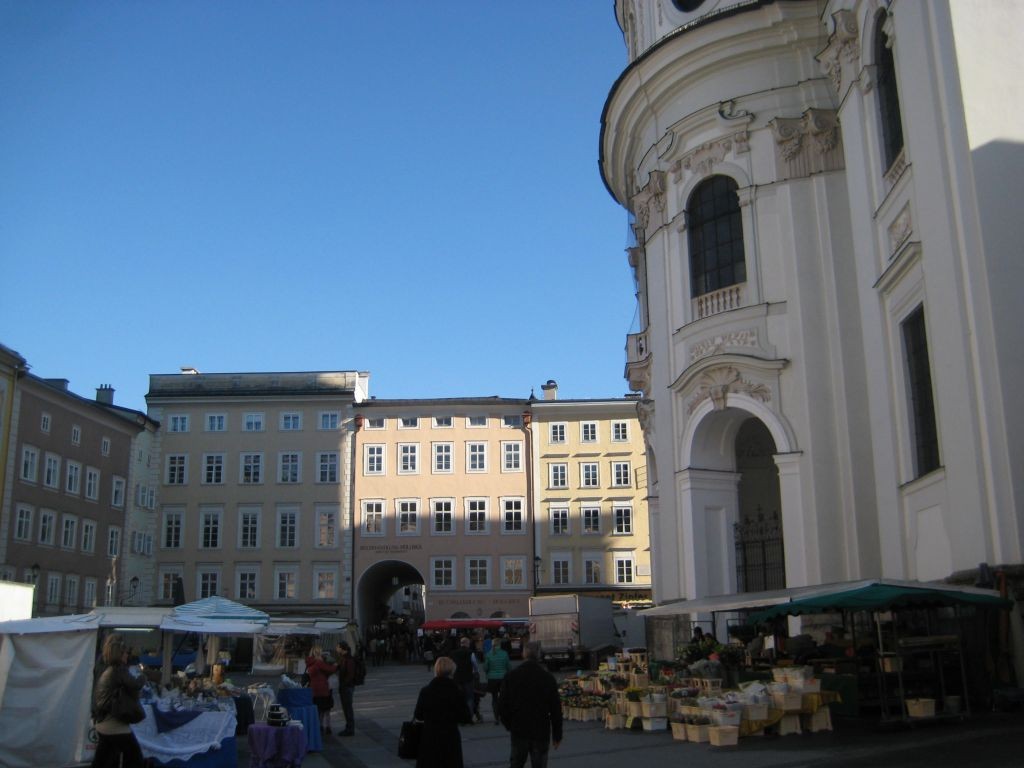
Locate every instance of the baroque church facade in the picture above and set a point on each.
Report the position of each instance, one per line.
(827, 265)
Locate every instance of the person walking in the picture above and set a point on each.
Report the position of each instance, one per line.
(346, 686)
(117, 746)
(531, 710)
(319, 670)
(441, 706)
(465, 672)
(496, 664)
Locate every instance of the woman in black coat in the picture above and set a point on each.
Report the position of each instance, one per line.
(441, 706)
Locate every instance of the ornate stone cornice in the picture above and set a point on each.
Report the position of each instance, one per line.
(701, 160)
(843, 50)
(715, 345)
(717, 383)
(651, 196)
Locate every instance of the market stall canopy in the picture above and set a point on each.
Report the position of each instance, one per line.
(211, 626)
(734, 602)
(883, 595)
(48, 624)
(447, 624)
(215, 607)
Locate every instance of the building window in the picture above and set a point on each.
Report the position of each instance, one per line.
(511, 456)
(591, 519)
(409, 422)
(47, 526)
(329, 420)
(623, 570)
(477, 421)
(919, 389)
(442, 458)
(289, 467)
(69, 532)
(621, 474)
(589, 477)
(44, 423)
(105, 446)
(478, 572)
(888, 96)
(89, 594)
(512, 516)
(209, 529)
(73, 478)
(558, 476)
(53, 581)
(559, 521)
(326, 526)
(251, 469)
(443, 517)
(23, 523)
(373, 459)
(513, 570)
(287, 528)
(166, 580)
(92, 484)
(476, 457)
(556, 433)
(376, 422)
(71, 593)
(176, 469)
(113, 541)
(51, 471)
(560, 569)
(209, 583)
(442, 422)
(245, 584)
(715, 235)
(326, 580)
(174, 523)
(476, 516)
(89, 536)
(216, 422)
(76, 434)
(328, 467)
(252, 422)
(29, 463)
(588, 432)
(248, 528)
(213, 468)
(177, 422)
(373, 518)
(442, 570)
(620, 431)
(592, 570)
(117, 489)
(514, 421)
(291, 421)
(408, 517)
(408, 458)
(623, 520)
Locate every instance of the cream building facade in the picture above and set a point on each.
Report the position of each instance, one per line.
(590, 487)
(441, 498)
(255, 488)
(826, 259)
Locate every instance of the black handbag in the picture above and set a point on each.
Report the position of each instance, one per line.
(126, 707)
(409, 739)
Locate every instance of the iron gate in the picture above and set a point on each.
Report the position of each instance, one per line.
(760, 557)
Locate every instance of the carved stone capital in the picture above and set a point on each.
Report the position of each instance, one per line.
(717, 383)
(651, 196)
(843, 49)
(807, 144)
(789, 135)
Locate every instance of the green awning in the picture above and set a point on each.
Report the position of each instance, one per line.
(881, 597)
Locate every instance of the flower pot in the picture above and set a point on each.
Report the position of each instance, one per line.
(679, 731)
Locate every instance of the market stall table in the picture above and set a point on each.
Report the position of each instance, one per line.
(206, 741)
(274, 746)
(300, 706)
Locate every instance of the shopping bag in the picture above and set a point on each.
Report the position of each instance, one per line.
(409, 739)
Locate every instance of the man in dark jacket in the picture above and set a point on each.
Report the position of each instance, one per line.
(465, 672)
(531, 710)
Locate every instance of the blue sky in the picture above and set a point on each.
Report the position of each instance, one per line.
(405, 188)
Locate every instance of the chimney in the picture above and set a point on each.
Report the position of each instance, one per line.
(61, 384)
(105, 394)
(550, 389)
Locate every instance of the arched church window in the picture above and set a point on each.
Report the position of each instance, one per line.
(888, 96)
(715, 234)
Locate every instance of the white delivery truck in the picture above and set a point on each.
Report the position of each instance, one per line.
(573, 630)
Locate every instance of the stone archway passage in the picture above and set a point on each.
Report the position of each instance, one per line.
(378, 584)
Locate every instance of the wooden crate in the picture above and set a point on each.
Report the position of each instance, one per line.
(723, 735)
(787, 702)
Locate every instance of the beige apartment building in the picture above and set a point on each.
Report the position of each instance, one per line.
(65, 521)
(255, 493)
(442, 499)
(592, 532)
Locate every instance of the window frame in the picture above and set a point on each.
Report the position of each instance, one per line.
(452, 524)
(215, 422)
(405, 507)
(473, 517)
(442, 453)
(505, 502)
(445, 563)
(289, 472)
(709, 261)
(372, 510)
(250, 468)
(512, 449)
(249, 527)
(328, 473)
(29, 468)
(211, 467)
(476, 456)
(374, 454)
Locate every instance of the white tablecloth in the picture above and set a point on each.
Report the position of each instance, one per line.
(199, 735)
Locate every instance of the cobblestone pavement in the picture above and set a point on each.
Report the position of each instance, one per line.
(993, 740)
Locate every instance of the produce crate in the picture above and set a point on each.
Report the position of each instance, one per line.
(755, 711)
(921, 707)
(639, 680)
(728, 717)
(614, 722)
(654, 709)
(723, 735)
(709, 685)
(787, 702)
(678, 731)
(655, 723)
(697, 733)
(819, 721)
(808, 686)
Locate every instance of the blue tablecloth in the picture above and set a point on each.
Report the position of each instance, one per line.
(294, 697)
(310, 719)
(225, 757)
(276, 747)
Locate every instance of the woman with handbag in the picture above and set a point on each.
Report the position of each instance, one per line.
(441, 706)
(115, 707)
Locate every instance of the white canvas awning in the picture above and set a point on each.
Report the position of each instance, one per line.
(220, 608)
(205, 626)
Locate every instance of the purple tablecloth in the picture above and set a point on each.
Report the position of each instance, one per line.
(273, 746)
